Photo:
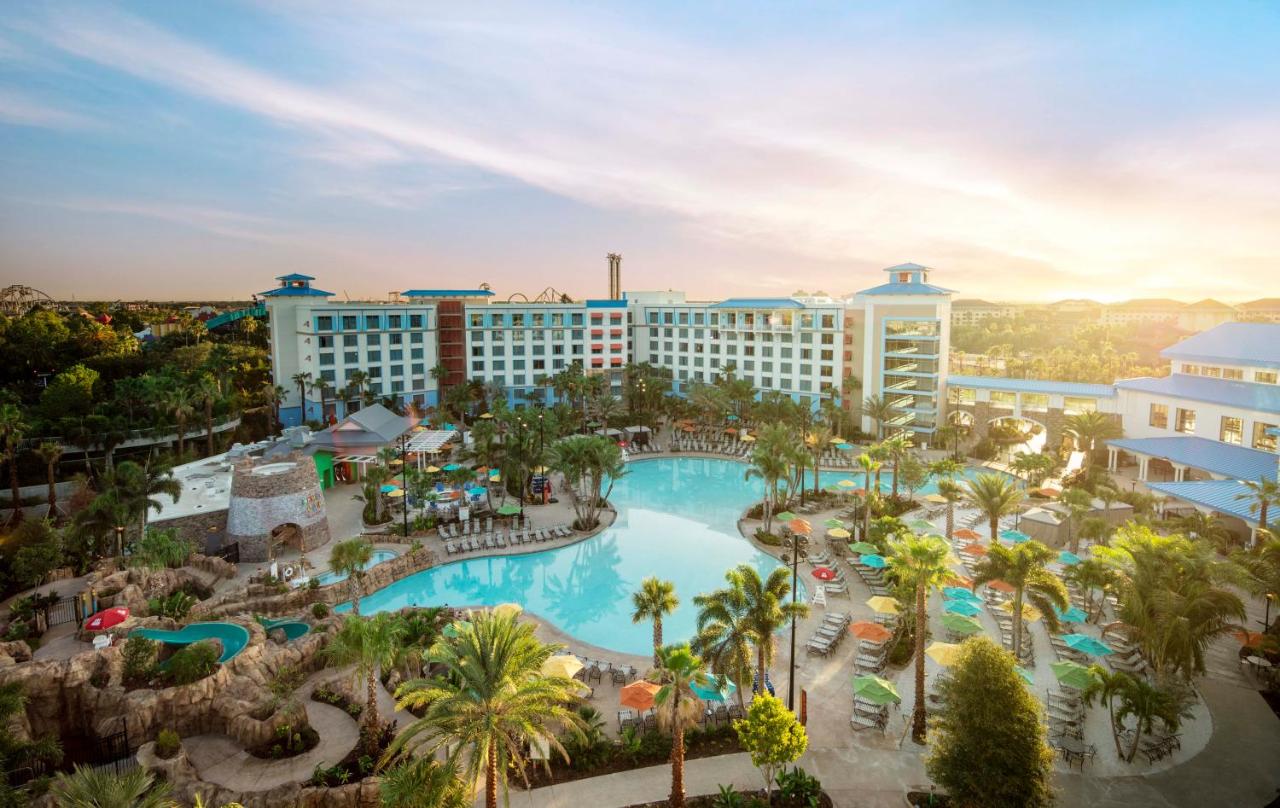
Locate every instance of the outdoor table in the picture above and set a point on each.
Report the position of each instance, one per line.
(1071, 750)
(1257, 662)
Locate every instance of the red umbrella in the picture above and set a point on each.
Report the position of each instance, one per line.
(824, 573)
(866, 630)
(974, 548)
(967, 534)
(107, 618)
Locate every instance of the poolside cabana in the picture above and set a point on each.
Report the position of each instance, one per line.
(354, 441)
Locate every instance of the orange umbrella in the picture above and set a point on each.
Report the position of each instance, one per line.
(639, 695)
(800, 526)
(960, 580)
(687, 427)
(1001, 586)
(967, 534)
(1250, 638)
(1047, 492)
(866, 630)
(973, 548)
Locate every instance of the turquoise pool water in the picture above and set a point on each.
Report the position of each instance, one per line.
(326, 578)
(233, 637)
(677, 519)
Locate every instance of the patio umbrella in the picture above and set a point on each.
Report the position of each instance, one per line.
(387, 489)
(451, 466)
(959, 624)
(686, 428)
(836, 441)
(1086, 644)
(838, 533)
(944, 653)
(731, 417)
(432, 469)
(875, 562)
(1015, 536)
(486, 415)
(861, 547)
(638, 695)
(1025, 674)
(1251, 639)
(728, 430)
(824, 573)
(715, 689)
(800, 526)
(1069, 558)
(844, 447)
(920, 524)
(869, 631)
(962, 607)
(107, 618)
(785, 516)
(1072, 674)
(966, 534)
(1048, 493)
(1029, 613)
(973, 548)
(508, 510)
(833, 522)
(1071, 615)
(936, 499)
(395, 493)
(880, 604)
(875, 690)
(456, 629)
(1001, 586)
(959, 580)
(565, 665)
(960, 593)
(508, 609)
(747, 439)
(476, 492)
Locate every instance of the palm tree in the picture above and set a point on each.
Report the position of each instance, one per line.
(919, 564)
(879, 410)
(490, 700)
(272, 396)
(771, 468)
(1106, 688)
(952, 492)
(323, 386)
(724, 635)
(896, 447)
(654, 599)
(179, 403)
(1261, 565)
(1078, 502)
(369, 645)
(1091, 575)
(137, 490)
(302, 380)
(1205, 526)
(869, 466)
(766, 609)
(1147, 703)
(677, 706)
(1087, 428)
(12, 427)
(420, 783)
(206, 393)
(1023, 567)
(351, 557)
(818, 440)
(606, 408)
(16, 753)
(94, 788)
(995, 495)
(50, 451)
(1261, 495)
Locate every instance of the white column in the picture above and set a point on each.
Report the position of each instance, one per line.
(1113, 458)
(1179, 472)
(1142, 467)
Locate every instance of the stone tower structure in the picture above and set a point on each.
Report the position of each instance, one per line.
(277, 499)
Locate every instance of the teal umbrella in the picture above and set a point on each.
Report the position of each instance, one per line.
(960, 624)
(451, 467)
(731, 417)
(476, 492)
(875, 562)
(960, 593)
(962, 607)
(875, 690)
(862, 547)
(1015, 536)
(1069, 558)
(844, 447)
(715, 689)
(833, 523)
(1086, 644)
(1072, 615)
(1026, 675)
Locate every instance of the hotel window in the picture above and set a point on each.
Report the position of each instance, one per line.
(395, 339)
(397, 354)
(575, 319)
(517, 321)
(1234, 374)
(351, 357)
(1036, 402)
(1213, 372)
(324, 323)
(415, 338)
(1265, 376)
(1185, 421)
(326, 359)
(325, 342)
(477, 367)
(1074, 405)
(328, 376)
(372, 339)
(1261, 440)
(1193, 370)
(373, 322)
(374, 356)
(1232, 430)
(1003, 399)
(1159, 416)
(961, 395)
(397, 370)
(415, 320)
(394, 321)
(349, 322)
(415, 353)
(477, 320)
(419, 369)
(539, 320)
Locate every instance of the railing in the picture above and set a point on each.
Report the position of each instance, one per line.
(66, 610)
(139, 437)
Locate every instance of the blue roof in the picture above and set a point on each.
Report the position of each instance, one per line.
(906, 289)
(1033, 386)
(1244, 395)
(1237, 462)
(907, 267)
(1253, 344)
(294, 277)
(758, 303)
(606, 304)
(447, 293)
(295, 291)
(1220, 495)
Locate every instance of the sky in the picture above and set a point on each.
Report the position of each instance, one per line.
(1026, 151)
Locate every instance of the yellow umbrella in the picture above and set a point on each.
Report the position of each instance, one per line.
(944, 653)
(838, 533)
(834, 441)
(486, 415)
(508, 609)
(433, 469)
(565, 665)
(746, 439)
(937, 499)
(395, 461)
(396, 494)
(540, 470)
(1029, 613)
(847, 484)
(881, 604)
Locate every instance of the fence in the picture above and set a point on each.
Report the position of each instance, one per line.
(66, 610)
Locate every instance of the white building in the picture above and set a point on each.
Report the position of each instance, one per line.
(973, 311)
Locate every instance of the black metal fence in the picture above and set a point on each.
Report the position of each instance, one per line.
(112, 752)
(66, 610)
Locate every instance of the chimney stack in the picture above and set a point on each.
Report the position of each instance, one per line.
(615, 276)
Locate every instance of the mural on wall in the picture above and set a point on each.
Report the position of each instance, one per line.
(313, 505)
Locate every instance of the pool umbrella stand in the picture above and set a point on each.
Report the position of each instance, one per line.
(638, 695)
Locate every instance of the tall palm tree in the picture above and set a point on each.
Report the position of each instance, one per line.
(207, 394)
(952, 492)
(1079, 503)
(1147, 703)
(1206, 527)
(818, 439)
(1087, 428)
(677, 706)
(351, 557)
(652, 601)
(879, 410)
(897, 448)
(50, 451)
(1261, 494)
(1106, 688)
(995, 495)
(180, 404)
(490, 700)
(724, 635)
(303, 380)
(12, 428)
(767, 609)
(869, 466)
(323, 386)
(93, 788)
(369, 644)
(1261, 565)
(771, 468)
(1023, 567)
(137, 489)
(1091, 575)
(272, 396)
(919, 564)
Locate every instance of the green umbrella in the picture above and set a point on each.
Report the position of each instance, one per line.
(508, 509)
(833, 522)
(1072, 674)
(875, 690)
(921, 524)
(785, 516)
(456, 628)
(960, 624)
(863, 548)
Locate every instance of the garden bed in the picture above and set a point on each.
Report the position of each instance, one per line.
(332, 697)
(634, 751)
(357, 765)
(288, 742)
(748, 799)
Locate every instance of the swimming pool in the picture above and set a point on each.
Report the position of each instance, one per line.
(677, 519)
(326, 578)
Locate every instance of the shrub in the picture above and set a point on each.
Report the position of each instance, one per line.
(139, 656)
(176, 606)
(17, 630)
(767, 538)
(773, 736)
(167, 743)
(158, 549)
(314, 583)
(193, 663)
(319, 610)
(728, 798)
(798, 787)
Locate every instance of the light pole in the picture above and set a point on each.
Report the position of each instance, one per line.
(404, 482)
(524, 465)
(120, 541)
(797, 549)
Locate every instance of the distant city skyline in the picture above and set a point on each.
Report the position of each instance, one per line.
(1029, 153)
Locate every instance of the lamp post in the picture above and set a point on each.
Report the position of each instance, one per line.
(542, 448)
(120, 541)
(404, 481)
(797, 550)
(524, 466)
